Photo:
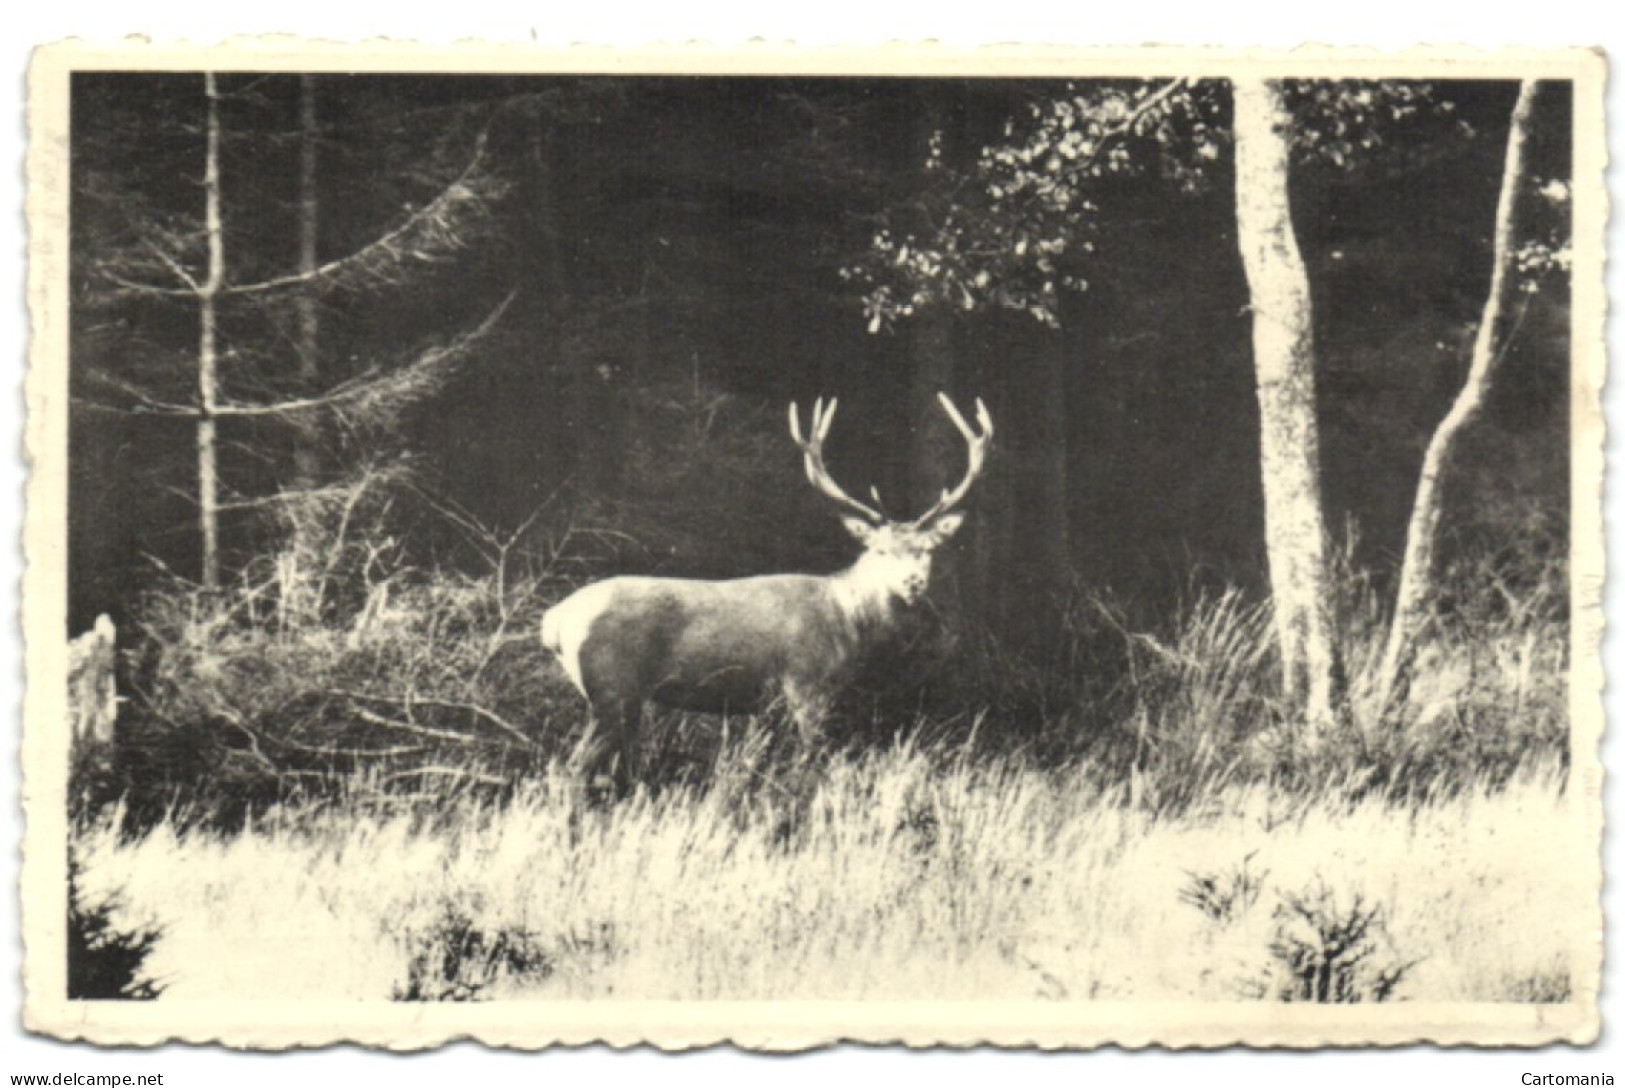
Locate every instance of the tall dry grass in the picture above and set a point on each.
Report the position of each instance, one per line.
(901, 874)
(388, 794)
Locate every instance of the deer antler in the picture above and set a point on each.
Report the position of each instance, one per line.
(812, 449)
(977, 457)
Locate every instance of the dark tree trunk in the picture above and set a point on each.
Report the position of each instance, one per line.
(305, 536)
(932, 348)
(543, 284)
(937, 453)
(309, 224)
(575, 440)
(1048, 570)
(986, 536)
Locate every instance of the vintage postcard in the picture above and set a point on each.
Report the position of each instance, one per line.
(1033, 547)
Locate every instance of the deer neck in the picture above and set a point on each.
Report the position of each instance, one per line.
(866, 594)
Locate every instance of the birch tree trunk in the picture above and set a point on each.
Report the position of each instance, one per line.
(1416, 581)
(1284, 363)
(208, 380)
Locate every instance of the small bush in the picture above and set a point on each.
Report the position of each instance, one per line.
(1225, 895)
(1331, 953)
(456, 960)
(1550, 985)
(105, 962)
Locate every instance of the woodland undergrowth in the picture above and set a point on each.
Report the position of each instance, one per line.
(369, 756)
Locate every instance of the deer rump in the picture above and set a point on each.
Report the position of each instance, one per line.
(713, 647)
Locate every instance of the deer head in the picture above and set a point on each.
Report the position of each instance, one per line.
(896, 559)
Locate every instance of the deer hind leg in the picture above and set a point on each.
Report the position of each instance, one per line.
(615, 749)
(616, 694)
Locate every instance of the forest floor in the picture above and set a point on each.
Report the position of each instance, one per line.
(388, 797)
(902, 874)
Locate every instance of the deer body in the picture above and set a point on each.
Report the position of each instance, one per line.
(719, 646)
(709, 646)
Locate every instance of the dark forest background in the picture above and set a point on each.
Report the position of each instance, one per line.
(680, 256)
(370, 371)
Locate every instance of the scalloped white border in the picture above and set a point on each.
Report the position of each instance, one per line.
(774, 1025)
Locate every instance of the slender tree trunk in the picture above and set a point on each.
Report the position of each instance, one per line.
(305, 548)
(208, 381)
(1284, 361)
(309, 221)
(543, 285)
(1416, 581)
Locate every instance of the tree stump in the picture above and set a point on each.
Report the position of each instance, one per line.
(92, 688)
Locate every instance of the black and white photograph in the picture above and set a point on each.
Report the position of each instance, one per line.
(926, 547)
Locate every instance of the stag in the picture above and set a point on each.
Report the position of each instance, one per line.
(717, 646)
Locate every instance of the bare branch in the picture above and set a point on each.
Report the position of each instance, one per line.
(137, 287)
(412, 727)
(376, 397)
(145, 402)
(424, 235)
(448, 772)
(490, 717)
(119, 267)
(372, 397)
(169, 262)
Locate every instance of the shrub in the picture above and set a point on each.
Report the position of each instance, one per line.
(1225, 895)
(278, 685)
(455, 960)
(104, 961)
(1330, 952)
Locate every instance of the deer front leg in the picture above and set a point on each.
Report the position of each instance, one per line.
(808, 706)
(628, 726)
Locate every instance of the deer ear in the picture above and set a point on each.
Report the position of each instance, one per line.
(862, 530)
(945, 527)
